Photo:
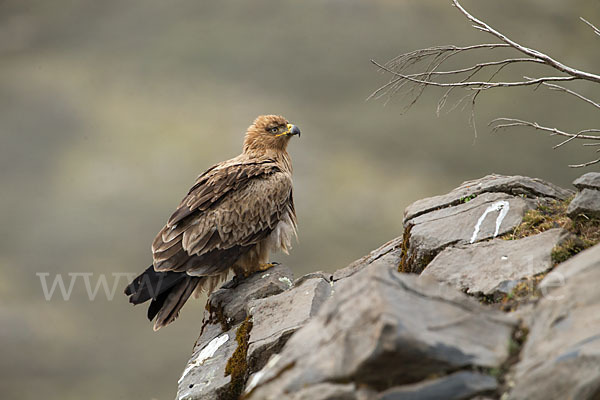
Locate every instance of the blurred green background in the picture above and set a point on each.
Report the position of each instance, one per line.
(109, 109)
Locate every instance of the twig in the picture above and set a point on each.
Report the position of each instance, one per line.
(479, 66)
(596, 30)
(511, 122)
(575, 136)
(483, 85)
(585, 164)
(572, 92)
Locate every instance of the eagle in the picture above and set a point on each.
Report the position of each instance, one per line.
(233, 217)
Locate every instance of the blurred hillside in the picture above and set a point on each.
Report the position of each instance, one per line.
(109, 110)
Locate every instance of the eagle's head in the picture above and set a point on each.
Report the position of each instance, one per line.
(269, 132)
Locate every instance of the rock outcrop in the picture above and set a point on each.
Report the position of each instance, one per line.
(481, 297)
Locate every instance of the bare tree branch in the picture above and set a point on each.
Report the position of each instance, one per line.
(479, 85)
(478, 67)
(432, 59)
(596, 30)
(482, 26)
(572, 92)
(585, 164)
(511, 122)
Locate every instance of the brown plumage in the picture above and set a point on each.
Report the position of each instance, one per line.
(234, 215)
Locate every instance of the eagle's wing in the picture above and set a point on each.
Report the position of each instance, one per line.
(230, 208)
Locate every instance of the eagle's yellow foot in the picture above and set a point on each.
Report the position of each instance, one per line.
(241, 273)
(266, 266)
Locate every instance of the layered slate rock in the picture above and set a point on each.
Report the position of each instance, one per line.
(227, 305)
(561, 357)
(390, 251)
(485, 216)
(513, 185)
(497, 265)
(369, 332)
(381, 320)
(591, 180)
(275, 318)
(586, 204)
(329, 391)
(204, 376)
(457, 386)
(477, 210)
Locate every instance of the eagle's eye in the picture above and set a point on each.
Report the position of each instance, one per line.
(275, 129)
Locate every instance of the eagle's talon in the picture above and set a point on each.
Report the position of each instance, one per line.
(266, 266)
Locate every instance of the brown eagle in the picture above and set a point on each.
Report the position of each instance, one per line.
(236, 213)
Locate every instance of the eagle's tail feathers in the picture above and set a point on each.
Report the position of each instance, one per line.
(167, 306)
(168, 292)
(151, 284)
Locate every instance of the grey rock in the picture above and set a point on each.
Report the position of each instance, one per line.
(484, 217)
(572, 269)
(275, 318)
(489, 267)
(204, 375)
(514, 185)
(391, 250)
(313, 275)
(457, 386)
(587, 202)
(228, 304)
(561, 357)
(208, 332)
(326, 391)
(379, 320)
(591, 180)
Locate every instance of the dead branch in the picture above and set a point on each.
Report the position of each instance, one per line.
(431, 61)
(479, 85)
(573, 93)
(596, 30)
(587, 164)
(482, 26)
(510, 122)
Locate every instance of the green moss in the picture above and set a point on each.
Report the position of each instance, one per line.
(216, 315)
(566, 250)
(405, 259)
(237, 365)
(554, 215)
(525, 291)
(466, 199)
(409, 263)
(545, 216)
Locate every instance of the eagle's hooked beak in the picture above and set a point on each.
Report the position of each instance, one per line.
(292, 130)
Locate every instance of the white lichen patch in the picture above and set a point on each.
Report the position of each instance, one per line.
(206, 353)
(502, 206)
(286, 280)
